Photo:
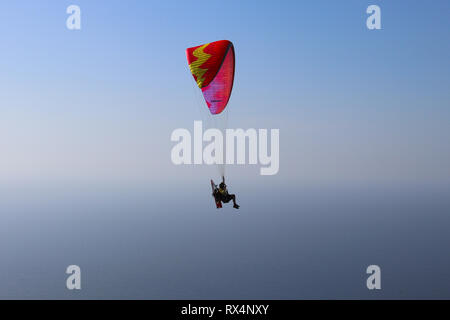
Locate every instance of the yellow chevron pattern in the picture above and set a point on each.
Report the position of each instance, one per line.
(202, 57)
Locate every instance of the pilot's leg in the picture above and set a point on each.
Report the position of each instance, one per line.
(233, 197)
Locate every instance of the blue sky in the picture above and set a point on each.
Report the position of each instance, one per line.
(351, 104)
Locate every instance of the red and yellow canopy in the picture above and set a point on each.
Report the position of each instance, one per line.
(212, 66)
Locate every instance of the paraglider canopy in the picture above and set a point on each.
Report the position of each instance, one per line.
(212, 66)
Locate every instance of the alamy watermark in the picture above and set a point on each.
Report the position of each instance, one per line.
(227, 149)
(73, 22)
(374, 280)
(73, 282)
